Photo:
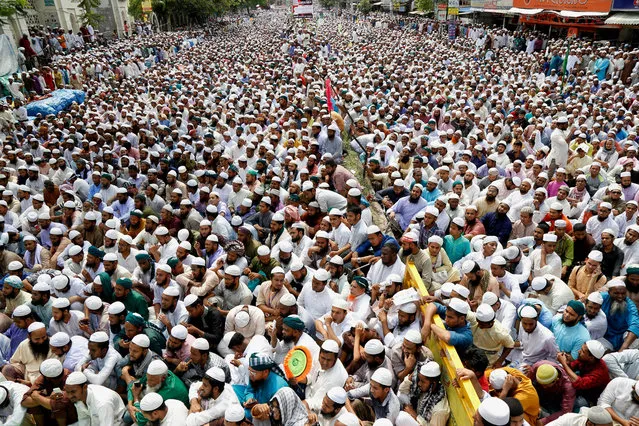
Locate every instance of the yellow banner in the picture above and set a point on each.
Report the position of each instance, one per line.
(147, 7)
(453, 11)
(463, 400)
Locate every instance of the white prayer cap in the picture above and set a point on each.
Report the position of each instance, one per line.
(330, 346)
(498, 260)
(539, 283)
(498, 378)
(436, 239)
(337, 394)
(340, 303)
(198, 261)
(76, 378)
(75, 250)
(337, 260)
(44, 216)
(14, 266)
(461, 290)
(190, 299)
(409, 308)
(468, 266)
(349, 419)
(609, 232)
(596, 348)
(374, 347)
(485, 313)
(550, 238)
(354, 192)
(286, 247)
(615, 283)
(322, 234)
(560, 223)
(288, 300)
(216, 373)
(495, 410)
(383, 377)
(112, 234)
(61, 303)
(322, 275)
(99, 337)
(93, 303)
(263, 251)
(459, 306)
(73, 234)
(59, 339)
(528, 312)
(595, 255)
(595, 297)
(201, 344)
(430, 369)
(59, 282)
(242, 319)
(413, 336)
(432, 210)
(51, 368)
(141, 340)
(489, 298)
(127, 239)
(234, 414)
(161, 230)
(606, 205)
(599, 416)
(151, 401)
(179, 332)
(373, 229)
(157, 368)
(58, 231)
(21, 311)
(110, 257)
(163, 267)
(116, 308)
(172, 291)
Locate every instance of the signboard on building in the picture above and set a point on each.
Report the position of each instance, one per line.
(147, 6)
(602, 6)
(625, 5)
(453, 11)
(303, 8)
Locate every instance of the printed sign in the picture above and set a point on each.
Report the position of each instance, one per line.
(571, 5)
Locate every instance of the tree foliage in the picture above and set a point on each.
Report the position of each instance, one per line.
(89, 15)
(424, 5)
(8, 8)
(135, 8)
(365, 6)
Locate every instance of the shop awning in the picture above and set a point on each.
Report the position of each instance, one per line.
(520, 11)
(418, 12)
(498, 11)
(624, 19)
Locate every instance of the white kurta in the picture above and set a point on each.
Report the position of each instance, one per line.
(212, 409)
(103, 407)
(321, 381)
(559, 148)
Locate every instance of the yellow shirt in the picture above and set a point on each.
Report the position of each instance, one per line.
(22, 298)
(24, 359)
(492, 340)
(525, 393)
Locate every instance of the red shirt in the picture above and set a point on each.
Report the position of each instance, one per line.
(592, 380)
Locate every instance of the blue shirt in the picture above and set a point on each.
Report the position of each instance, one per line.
(17, 335)
(263, 393)
(456, 248)
(377, 251)
(497, 226)
(569, 339)
(460, 337)
(620, 322)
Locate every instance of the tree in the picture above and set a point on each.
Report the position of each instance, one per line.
(424, 5)
(8, 8)
(365, 6)
(90, 16)
(135, 8)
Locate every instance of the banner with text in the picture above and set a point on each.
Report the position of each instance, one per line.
(303, 8)
(625, 5)
(602, 6)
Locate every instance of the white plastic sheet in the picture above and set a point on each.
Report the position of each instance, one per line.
(8, 56)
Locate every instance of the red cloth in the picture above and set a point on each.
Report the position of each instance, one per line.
(593, 378)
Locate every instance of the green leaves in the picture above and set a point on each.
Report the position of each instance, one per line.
(424, 5)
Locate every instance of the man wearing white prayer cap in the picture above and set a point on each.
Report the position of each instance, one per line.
(51, 375)
(492, 412)
(375, 354)
(317, 298)
(383, 399)
(457, 331)
(621, 314)
(421, 384)
(334, 324)
(491, 336)
(158, 410)
(246, 319)
(233, 416)
(594, 318)
(581, 276)
(602, 220)
(26, 360)
(99, 365)
(158, 379)
(95, 404)
(201, 359)
(73, 349)
(332, 406)
(326, 373)
(405, 351)
(535, 340)
(178, 346)
(347, 419)
(547, 257)
(215, 397)
(12, 412)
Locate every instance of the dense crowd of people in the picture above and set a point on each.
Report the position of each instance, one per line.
(172, 249)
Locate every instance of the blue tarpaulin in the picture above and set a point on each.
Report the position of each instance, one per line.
(58, 101)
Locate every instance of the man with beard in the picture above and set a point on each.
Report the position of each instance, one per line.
(597, 224)
(389, 196)
(166, 246)
(297, 277)
(332, 407)
(90, 231)
(473, 226)
(132, 300)
(59, 244)
(270, 294)
(339, 278)
(428, 226)
(552, 291)
(190, 217)
(13, 294)
(199, 281)
(629, 246)
(99, 365)
(315, 254)
(300, 241)
(211, 399)
(569, 331)
(200, 359)
(261, 220)
(259, 270)
(407, 353)
(292, 335)
(147, 237)
(163, 280)
(178, 347)
(588, 373)
(265, 379)
(137, 359)
(203, 322)
(212, 250)
(172, 309)
(374, 357)
(498, 224)
(488, 203)
(117, 317)
(94, 403)
(158, 380)
(92, 262)
(144, 273)
(595, 320)
(544, 259)
(25, 363)
(379, 390)
(404, 210)
(389, 264)
(231, 292)
(134, 325)
(283, 254)
(113, 268)
(123, 206)
(422, 394)
(126, 254)
(326, 373)
(395, 331)
(622, 316)
(64, 319)
(41, 402)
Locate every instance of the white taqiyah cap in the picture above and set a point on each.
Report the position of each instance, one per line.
(51, 368)
(110, 257)
(461, 290)
(322, 275)
(296, 266)
(99, 337)
(459, 306)
(539, 283)
(201, 344)
(489, 298)
(151, 401)
(373, 229)
(599, 416)
(595, 297)
(179, 332)
(485, 313)
(59, 339)
(263, 251)
(349, 419)
(234, 414)
(76, 378)
(606, 205)
(340, 303)
(560, 224)
(286, 247)
(374, 347)
(550, 238)
(141, 340)
(242, 319)
(288, 300)
(116, 308)
(468, 266)
(330, 346)
(528, 312)
(495, 411)
(615, 283)
(337, 260)
(430, 369)
(382, 376)
(172, 291)
(498, 260)
(61, 303)
(93, 303)
(190, 299)
(413, 336)
(42, 286)
(60, 282)
(595, 255)
(409, 308)
(337, 394)
(157, 368)
(498, 378)
(596, 348)
(198, 261)
(75, 250)
(216, 373)
(14, 266)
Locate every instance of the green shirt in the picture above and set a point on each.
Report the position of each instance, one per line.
(134, 302)
(566, 250)
(257, 266)
(172, 388)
